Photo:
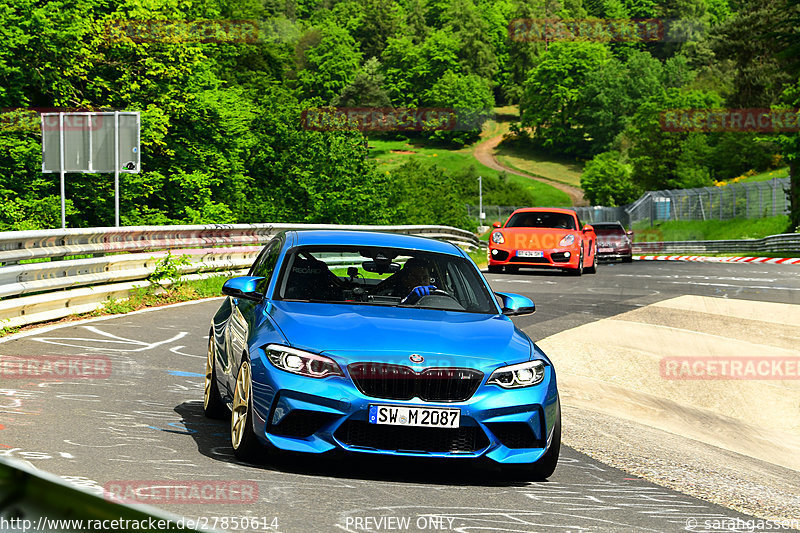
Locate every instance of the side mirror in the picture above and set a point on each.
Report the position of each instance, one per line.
(629, 233)
(497, 225)
(587, 228)
(243, 287)
(516, 304)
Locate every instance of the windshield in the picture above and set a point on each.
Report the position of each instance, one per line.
(608, 229)
(383, 276)
(539, 219)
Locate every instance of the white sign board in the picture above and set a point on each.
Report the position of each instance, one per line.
(93, 141)
(86, 142)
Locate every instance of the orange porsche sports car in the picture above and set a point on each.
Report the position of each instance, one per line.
(543, 237)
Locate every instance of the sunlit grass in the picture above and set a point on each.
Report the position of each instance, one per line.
(537, 163)
(710, 230)
(456, 161)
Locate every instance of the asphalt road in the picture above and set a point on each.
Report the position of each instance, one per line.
(144, 423)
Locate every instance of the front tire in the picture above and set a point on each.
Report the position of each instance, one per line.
(579, 270)
(212, 403)
(495, 269)
(244, 441)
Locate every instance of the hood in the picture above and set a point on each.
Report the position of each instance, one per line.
(392, 334)
(536, 238)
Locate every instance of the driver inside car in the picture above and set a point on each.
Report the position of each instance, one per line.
(412, 283)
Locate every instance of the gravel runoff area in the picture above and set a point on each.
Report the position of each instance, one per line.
(754, 487)
(731, 442)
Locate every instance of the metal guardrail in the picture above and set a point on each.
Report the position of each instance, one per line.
(786, 243)
(124, 258)
(16, 246)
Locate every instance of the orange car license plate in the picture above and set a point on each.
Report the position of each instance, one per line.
(530, 253)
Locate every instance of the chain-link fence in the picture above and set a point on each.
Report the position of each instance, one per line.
(736, 200)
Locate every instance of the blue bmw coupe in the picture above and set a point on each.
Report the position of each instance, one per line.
(376, 343)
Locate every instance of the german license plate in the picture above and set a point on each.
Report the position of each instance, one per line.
(414, 416)
(530, 253)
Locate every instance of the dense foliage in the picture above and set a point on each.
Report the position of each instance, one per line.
(605, 102)
(223, 138)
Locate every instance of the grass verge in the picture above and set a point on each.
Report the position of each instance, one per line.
(710, 230)
(537, 163)
(151, 296)
(157, 295)
(750, 177)
(390, 154)
(479, 256)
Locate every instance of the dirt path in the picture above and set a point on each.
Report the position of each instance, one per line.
(484, 153)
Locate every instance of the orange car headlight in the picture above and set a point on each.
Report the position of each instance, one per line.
(567, 240)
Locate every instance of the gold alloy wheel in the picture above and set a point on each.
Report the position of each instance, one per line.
(209, 373)
(241, 403)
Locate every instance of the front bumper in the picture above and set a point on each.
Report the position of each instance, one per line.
(300, 414)
(614, 254)
(555, 258)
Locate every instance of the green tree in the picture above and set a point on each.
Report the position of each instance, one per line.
(611, 95)
(606, 180)
(301, 175)
(382, 19)
(664, 159)
(428, 195)
(786, 35)
(552, 100)
(759, 76)
(475, 52)
(366, 90)
(415, 25)
(523, 52)
(328, 64)
(470, 96)
(411, 69)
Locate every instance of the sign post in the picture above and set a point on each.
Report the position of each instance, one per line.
(60, 169)
(481, 214)
(91, 142)
(116, 169)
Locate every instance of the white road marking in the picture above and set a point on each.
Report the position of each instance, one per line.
(109, 338)
(177, 350)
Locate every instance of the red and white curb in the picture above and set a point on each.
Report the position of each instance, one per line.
(708, 259)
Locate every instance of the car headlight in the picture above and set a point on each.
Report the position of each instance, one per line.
(567, 240)
(303, 363)
(498, 238)
(520, 375)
